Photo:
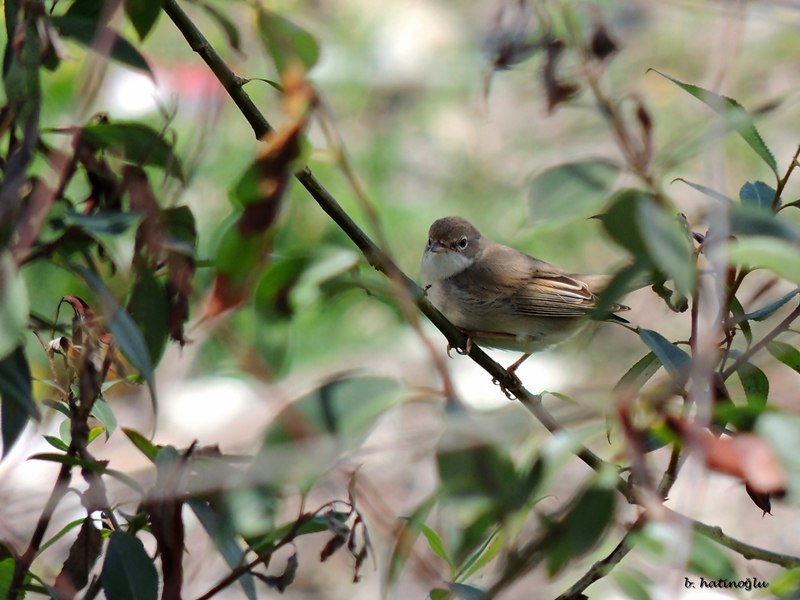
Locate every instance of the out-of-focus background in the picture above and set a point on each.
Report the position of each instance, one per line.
(429, 131)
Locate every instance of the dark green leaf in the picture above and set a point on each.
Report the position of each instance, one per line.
(748, 220)
(571, 191)
(224, 541)
(14, 306)
(103, 413)
(238, 254)
(667, 244)
(581, 528)
(741, 319)
(143, 14)
(128, 573)
(56, 443)
(72, 461)
(786, 353)
(6, 575)
(122, 327)
(270, 298)
(285, 42)
(346, 406)
(736, 117)
(435, 542)
(755, 384)
(149, 309)
(639, 374)
(86, 32)
(142, 443)
(16, 396)
(440, 594)
(468, 592)
(109, 222)
(675, 360)
(228, 26)
(758, 195)
(628, 279)
(135, 143)
(620, 221)
(764, 313)
(634, 585)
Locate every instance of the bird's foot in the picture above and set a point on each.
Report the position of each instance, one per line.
(509, 391)
(462, 351)
(426, 288)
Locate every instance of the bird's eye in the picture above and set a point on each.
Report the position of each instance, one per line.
(462, 243)
(430, 242)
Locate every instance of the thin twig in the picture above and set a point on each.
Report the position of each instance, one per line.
(755, 348)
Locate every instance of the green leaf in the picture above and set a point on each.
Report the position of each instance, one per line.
(758, 195)
(667, 244)
(705, 190)
(468, 592)
(86, 32)
(224, 541)
(571, 191)
(6, 575)
(621, 223)
(270, 295)
(406, 538)
(736, 117)
(103, 413)
(639, 374)
(675, 360)
(16, 397)
(436, 544)
(64, 531)
(115, 230)
(316, 524)
(122, 327)
(634, 585)
(482, 556)
(780, 257)
(14, 306)
(285, 42)
(707, 559)
(149, 309)
(142, 443)
(227, 26)
(786, 353)
(143, 14)
(581, 528)
(238, 254)
(741, 319)
(440, 594)
(755, 384)
(764, 313)
(72, 461)
(56, 443)
(135, 143)
(347, 406)
(128, 573)
(751, 221)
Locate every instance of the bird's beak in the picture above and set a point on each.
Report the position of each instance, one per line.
(437, 247)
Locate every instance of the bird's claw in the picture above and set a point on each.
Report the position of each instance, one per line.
(509, 391)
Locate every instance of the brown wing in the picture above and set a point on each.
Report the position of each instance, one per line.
(525, 285)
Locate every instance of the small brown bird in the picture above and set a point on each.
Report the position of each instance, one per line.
(500, 297)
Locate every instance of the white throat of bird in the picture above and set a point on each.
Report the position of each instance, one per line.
(437, 266)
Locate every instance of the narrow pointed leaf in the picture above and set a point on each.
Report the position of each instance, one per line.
(736, 117)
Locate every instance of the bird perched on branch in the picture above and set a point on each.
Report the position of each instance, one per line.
(503, 298)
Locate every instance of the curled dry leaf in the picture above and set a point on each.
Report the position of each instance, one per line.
(83, 554)
(744, 455)
(557, 91)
